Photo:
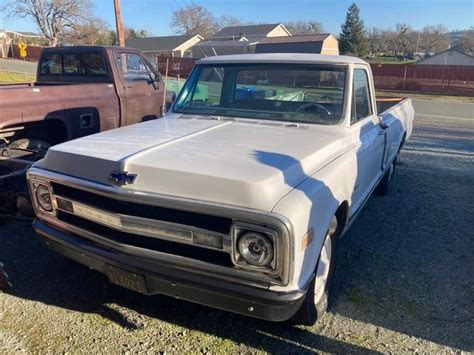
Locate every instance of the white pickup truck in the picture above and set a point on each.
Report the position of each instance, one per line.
(237, 198)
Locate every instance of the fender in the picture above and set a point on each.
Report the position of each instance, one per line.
(312, 204)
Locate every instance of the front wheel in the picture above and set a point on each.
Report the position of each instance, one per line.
(317, 297)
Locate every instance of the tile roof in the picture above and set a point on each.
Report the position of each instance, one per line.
(246, 30)
(166, 43)
(212, 48)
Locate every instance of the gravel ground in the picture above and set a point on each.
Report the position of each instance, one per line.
(404, 281)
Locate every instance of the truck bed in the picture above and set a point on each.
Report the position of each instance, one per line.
(28, 102)
(384, 103)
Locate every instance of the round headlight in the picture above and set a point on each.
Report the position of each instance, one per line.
(43, 197)
(255, 249)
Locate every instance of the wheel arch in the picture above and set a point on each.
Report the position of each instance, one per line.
(52, 131)
(342, 215)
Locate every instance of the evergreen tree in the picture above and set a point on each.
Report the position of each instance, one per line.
(352, 39)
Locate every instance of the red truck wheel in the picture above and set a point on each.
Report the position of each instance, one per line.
(31, 144)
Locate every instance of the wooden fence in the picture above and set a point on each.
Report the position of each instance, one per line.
(432, 79)
(32, 52)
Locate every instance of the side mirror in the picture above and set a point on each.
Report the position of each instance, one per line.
(155, 81)
(170, 97)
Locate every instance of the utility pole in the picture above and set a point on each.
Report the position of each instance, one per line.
(119, 23)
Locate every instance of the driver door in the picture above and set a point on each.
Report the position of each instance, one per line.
(365, 125)
(140, 100)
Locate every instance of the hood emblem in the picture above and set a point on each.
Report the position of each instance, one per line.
(122, 177)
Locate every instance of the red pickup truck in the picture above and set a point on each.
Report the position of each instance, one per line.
(79, 91)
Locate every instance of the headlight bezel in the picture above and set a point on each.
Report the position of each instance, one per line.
(35, 184)
(240, 229)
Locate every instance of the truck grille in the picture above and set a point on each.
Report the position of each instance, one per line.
(198, 220)
(184, 250)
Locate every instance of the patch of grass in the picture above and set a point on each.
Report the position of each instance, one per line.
(15, 78)
(360, 339)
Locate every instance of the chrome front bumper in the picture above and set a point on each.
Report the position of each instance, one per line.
(161, 277)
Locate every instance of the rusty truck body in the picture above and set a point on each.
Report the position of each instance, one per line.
(79, 91)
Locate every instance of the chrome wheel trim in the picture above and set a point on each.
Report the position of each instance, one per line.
(322, 271)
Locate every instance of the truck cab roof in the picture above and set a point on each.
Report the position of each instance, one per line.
(67, 49)
(302, 58)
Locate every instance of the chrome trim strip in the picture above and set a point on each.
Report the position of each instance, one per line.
(143, 226)
(240, 215)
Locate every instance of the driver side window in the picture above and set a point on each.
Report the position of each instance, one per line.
(132, 66)
(361, 105)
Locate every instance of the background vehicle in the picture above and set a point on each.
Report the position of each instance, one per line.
(79, 91)
(237, 199)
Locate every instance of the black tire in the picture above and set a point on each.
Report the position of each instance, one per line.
(37, 145)
(384, 185)
(310, 311)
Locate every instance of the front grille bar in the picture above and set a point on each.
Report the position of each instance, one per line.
(137, 225)
(217, 224)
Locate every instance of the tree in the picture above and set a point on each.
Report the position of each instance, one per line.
(352, 39)
(377, 41)
(94, 31)
(304, 27)
(194, 20)
(434, 38)
(403, 40)
(466, 42)
(226, 21)
(136, 33)
(53, 17)
(197, 20)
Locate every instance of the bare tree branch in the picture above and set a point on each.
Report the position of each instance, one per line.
(51, 16)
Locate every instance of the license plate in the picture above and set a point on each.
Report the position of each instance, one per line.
(95, 215)
(127, 279)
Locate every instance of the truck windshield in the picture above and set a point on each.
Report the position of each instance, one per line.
(285, 92)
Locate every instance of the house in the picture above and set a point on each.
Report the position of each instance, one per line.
(238, 39)
(253, 33)
(450, 56)
(323, 43)
(175, 46)
(212, 48)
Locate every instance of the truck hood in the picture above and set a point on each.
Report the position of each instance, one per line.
(245, 163)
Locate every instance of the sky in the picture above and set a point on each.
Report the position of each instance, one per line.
(155, 15)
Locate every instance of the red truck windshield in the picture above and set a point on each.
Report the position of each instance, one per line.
(287, 92)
